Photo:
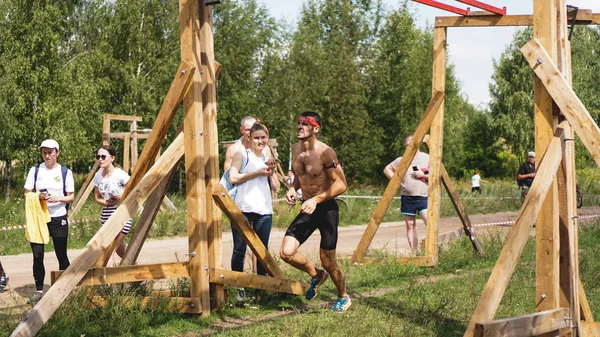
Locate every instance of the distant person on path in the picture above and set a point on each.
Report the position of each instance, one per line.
(255, 178)
(476, 182)
(526, 174)
(321, 178)
(3, 278)
(56, 186)
(110, 182)
(413, 193)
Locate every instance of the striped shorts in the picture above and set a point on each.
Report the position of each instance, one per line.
(107, 212)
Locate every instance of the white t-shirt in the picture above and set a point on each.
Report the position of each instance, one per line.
(254, 195)
(51, 179)
(112, 185)
(475, 180)
(411, 185)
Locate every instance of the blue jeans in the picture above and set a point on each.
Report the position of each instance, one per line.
(262, 226)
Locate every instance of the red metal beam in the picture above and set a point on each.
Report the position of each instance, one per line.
(486, 7)
(444, 6)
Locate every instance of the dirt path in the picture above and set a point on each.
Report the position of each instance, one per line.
(391, 237)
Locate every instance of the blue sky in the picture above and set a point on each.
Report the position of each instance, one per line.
(471, 50)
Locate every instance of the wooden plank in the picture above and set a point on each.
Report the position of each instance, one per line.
(396, 181)
(105, 236)
(528, 325)
(123, 135)
(586, 311)
(564, 96)
(126, 118)
(509, 256)
(211, 149)
(547, 292)
(584, 17)
(246, 280)
(127, 153)
(183, 305)
(144, 224)
(124, 274)
(84, 192)
(134, 145)
(589, 329)
(179, 87)
(105, 130)
(228, 206)
(190, 23)
(436, 150)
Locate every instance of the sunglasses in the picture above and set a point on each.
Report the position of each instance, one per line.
(101, 156)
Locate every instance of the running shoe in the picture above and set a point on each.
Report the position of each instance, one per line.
(3, 281)
(315, 284)
(240, 294)
(342, 304)
(36, 297)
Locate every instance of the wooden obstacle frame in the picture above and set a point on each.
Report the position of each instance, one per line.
(193, 88)
(562, 307)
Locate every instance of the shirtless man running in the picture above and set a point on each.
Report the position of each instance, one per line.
(321, 179)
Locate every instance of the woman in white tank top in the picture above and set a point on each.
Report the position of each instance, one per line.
(255, 180)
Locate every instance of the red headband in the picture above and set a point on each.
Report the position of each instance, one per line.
(308, 121)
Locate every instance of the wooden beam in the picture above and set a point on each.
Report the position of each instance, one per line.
(95, 248)
(228, 206)
(124, 274)
(105, 130)
(396, 181)
(84, 192)
(223, 276)
(190, 24)
(179, 86)
(589, 329)
(126, 118)
(584, 17)
(547, 291)
(144, 224)
(585, 310)
(211, 149)
(127, 154)
(183, 305)
(122, 135)
(563, 95)
(436, 142)
(517, 238)
(528, 325)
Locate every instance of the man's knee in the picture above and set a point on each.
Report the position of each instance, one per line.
(327, 258)
(289, 247)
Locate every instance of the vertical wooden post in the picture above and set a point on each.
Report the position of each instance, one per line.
(546, 120)
(134, 143)
(193, 126)
(126, 153)
(436, 138)
(211, 149)
(106, 130)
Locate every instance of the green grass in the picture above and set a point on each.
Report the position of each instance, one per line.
(389, 299)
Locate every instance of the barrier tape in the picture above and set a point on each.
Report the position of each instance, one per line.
(510, 222)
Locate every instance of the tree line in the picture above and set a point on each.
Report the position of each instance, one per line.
(365, 68)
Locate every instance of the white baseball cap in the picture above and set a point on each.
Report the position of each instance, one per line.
(529, 154)
(50, 144)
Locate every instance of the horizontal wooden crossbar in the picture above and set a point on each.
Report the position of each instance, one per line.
(224, 276)
(528, 325)
(123, 118)
(584, 17)
(184, 305)
(123, 274)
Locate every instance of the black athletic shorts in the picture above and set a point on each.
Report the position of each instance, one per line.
(58, 227)
(325, 218)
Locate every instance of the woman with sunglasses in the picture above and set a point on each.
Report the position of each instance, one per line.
(110, 181)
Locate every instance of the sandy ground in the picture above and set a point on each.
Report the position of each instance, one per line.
(391, 237)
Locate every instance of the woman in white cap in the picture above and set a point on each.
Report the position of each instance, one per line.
(56, 186)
